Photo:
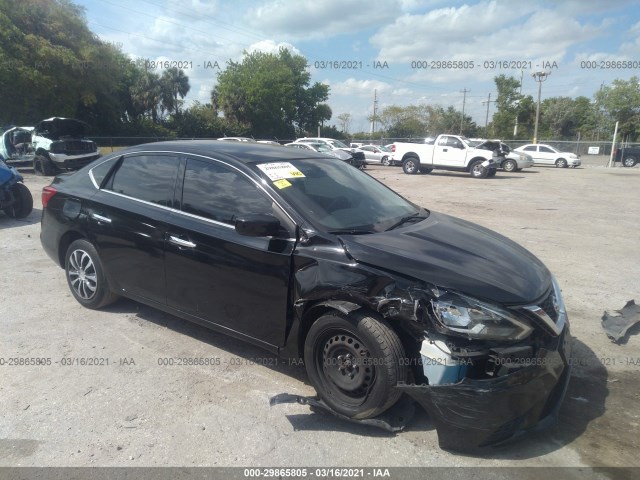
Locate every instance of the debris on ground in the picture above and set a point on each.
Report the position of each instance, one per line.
(617, 326)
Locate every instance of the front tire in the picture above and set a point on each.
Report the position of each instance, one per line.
(629, 162)
(477, 170)
(23, 202)
(411, 165)
(85, 276)
(386, 161)
(509, 166)
(355, 362)
(561, 163)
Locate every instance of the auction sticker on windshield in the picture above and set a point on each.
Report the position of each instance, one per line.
(280, 170)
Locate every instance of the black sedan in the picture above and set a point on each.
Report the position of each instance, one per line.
(311, 258)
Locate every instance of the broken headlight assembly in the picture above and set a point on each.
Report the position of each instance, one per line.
(465, 316)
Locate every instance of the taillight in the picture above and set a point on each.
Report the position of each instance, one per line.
(393, 148)
(47, 194)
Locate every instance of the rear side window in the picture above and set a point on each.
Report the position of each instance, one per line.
(146, 177)
(100, 171)
(219, 193)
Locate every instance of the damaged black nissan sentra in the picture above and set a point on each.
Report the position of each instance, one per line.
(311, 258)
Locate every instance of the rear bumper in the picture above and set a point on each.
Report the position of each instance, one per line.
(478, 413)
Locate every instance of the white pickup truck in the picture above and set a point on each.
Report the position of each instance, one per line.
(446, 152)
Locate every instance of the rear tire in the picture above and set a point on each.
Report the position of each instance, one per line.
(85, 276)
(410, 165)
(355, 362)
(23, 202)
(629, 161)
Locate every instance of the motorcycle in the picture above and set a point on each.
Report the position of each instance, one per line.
(15, 198)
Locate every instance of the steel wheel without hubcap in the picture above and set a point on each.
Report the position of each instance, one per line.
(82, 274)
(354, 363)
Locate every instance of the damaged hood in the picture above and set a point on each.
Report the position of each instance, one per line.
(55, 128)
(455, 254)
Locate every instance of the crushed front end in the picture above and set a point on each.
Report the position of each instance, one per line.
(484, 392)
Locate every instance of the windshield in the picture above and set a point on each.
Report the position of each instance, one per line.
(335, 196)
(337, 144)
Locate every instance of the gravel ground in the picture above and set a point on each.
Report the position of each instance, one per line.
(134, 412)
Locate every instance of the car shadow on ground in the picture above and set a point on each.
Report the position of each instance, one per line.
(498, 176)
(31, 219)
(584, 401)
(233, 346)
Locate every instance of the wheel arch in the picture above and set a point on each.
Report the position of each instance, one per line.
(411, 154)
(67, 239)
(475, 160)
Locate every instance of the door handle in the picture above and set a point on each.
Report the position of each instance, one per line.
(181, 242)
(100, 218)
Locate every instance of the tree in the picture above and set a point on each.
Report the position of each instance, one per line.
(271, 93)
(345, 120)
(146, 93)
(174, 82)
(621, 102)
(52, 64)
(510, 104)
(564, 117)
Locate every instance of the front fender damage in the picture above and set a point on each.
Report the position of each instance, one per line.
(474, 404)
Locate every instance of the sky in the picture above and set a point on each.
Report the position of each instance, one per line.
(403, 52)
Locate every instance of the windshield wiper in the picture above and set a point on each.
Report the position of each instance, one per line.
(408, 218)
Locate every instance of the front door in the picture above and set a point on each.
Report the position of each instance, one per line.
(237, 282)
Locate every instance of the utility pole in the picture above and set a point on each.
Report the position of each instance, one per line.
(464, 101)
(486, 119)
(515, 129)
(375, 112)
(538, 77)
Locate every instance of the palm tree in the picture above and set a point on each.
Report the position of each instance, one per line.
(174, 83)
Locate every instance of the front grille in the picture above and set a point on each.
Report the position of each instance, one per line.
(75, 147)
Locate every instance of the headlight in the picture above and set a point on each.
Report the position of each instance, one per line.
(478, 320)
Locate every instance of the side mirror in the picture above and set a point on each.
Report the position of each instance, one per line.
(257, 225)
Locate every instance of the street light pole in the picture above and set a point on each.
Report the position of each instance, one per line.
(538, 77)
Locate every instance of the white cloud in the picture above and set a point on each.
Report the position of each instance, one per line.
(305, 19)
(486, 30)
(270, 46)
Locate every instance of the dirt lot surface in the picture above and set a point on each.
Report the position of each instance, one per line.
(583, 223)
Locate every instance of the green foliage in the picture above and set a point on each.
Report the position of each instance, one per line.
(202, 121)
(271, 93)
(621, 102)
(423, 120)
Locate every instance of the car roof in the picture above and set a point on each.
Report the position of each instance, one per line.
(242, 152)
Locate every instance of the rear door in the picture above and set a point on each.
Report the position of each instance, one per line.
(128, 220)
(236, 282)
